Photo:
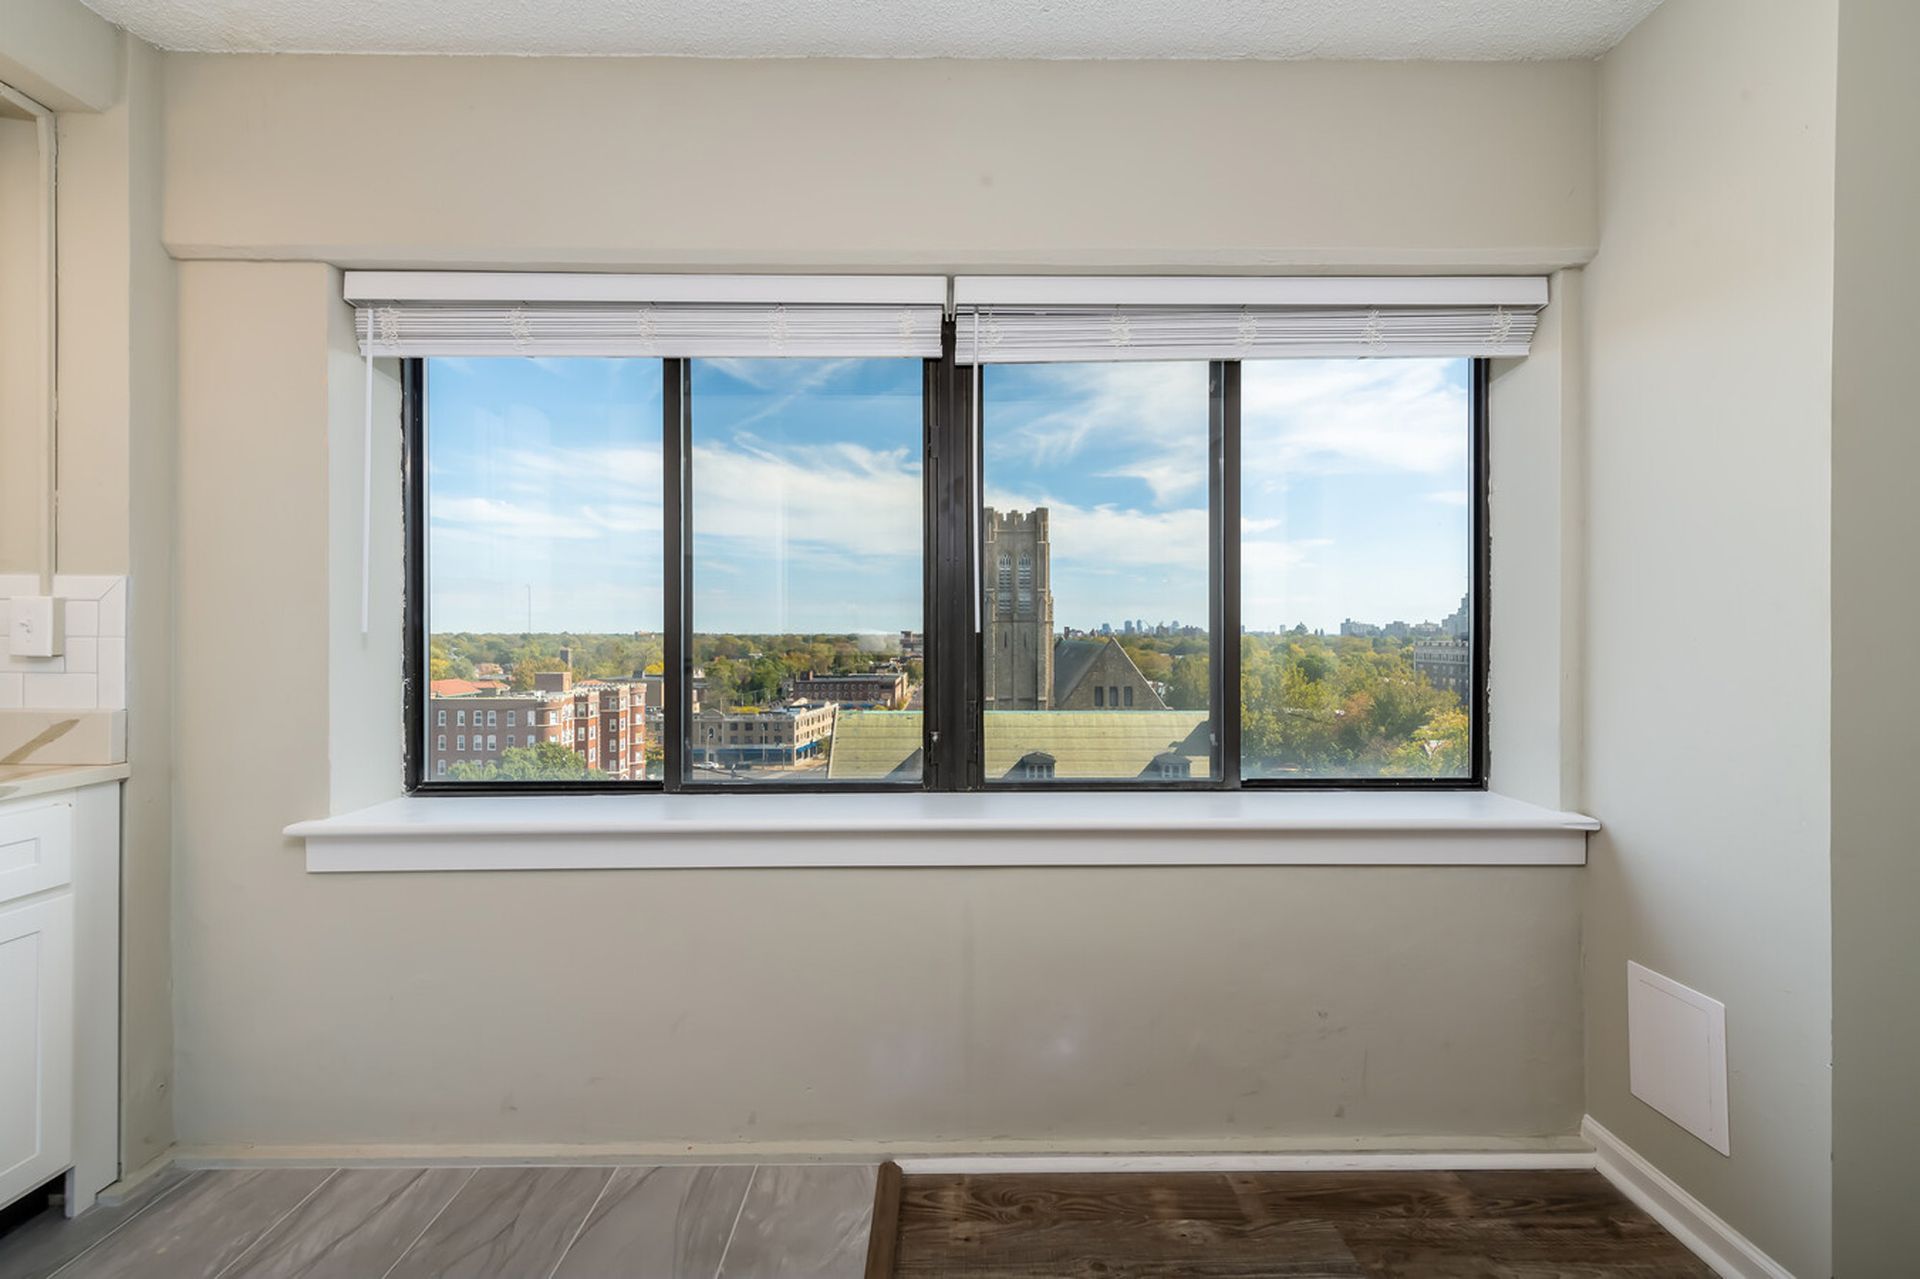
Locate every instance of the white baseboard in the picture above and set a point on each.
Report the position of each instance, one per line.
(1201, 1155)
(1731, 1254)
(1301, 1161)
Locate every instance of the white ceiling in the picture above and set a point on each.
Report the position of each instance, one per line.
(1453, 29)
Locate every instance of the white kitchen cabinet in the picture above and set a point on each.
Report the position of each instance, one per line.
(59, 988)
(36, 1042)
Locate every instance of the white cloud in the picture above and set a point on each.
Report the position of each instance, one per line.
(839, 496)
(490, 516)
(1144, 420)
(1335, 416)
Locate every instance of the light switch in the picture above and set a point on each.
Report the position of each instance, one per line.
(36, 626)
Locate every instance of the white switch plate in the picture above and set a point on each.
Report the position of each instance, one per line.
(1677, 1053)
(36, 626)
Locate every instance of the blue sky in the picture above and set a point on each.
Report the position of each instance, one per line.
(807, 491)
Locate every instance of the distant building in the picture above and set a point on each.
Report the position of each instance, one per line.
(1098, 674)
(1018, 671)
(656, 686)
(1027, 668)
(1459, 623)
(1358, 630)
(603, 722)
(779, 735)
(885, 688)
(1447, 664)
(913, 646)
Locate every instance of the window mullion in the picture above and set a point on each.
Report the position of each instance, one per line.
(1224, 611)
(677, 572)
(952, 658)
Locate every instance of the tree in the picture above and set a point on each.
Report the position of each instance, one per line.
(1441, 747)
(545, 762)
(1189, 687)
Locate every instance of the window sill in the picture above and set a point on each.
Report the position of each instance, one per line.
(653, 831)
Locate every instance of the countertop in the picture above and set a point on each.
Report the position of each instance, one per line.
(19, 781)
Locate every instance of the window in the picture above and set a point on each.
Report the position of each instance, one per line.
(1089, 570)
(1095, 482)
(808, 504)
(543, 490)
(1356, 554)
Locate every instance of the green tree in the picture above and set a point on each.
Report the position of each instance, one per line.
(1188, 687)
(545, 762)
(1440, 747)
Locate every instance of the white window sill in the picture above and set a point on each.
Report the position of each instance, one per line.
(654, 831)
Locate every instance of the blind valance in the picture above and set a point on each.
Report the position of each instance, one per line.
(1014, 319)
(493, 313)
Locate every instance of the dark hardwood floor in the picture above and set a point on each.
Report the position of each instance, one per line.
(1429, 1225)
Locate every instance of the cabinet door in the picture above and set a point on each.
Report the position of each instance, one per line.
(36, 1043)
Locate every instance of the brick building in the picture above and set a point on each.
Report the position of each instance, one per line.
(602, 721)
(883, 689)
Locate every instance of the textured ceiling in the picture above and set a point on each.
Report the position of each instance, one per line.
(1452, 29)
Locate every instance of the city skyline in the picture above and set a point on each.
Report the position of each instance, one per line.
(807, 491)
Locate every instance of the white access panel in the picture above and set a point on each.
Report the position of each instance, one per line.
(36, 1050)
(1677, 1053)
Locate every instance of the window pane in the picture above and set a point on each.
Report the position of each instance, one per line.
(1095, 572)
(1355, 563)
(544, 598)
(807, 529)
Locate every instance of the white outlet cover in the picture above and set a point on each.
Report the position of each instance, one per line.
(1677, 1053)
(35, 625)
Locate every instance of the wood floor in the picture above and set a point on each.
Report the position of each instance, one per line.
(737, 1221)
(1488, 1225)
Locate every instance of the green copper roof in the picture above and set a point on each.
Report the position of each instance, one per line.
(1086, 745)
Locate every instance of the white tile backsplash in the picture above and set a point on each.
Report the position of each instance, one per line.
(113, 610)
(92, 671)
(83, 586)
(60, 692)
(113, 672)
(83, 654)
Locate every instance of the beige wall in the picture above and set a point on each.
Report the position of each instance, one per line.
(60, 53)
(839, 1008)
(829, 164)
(23, 355)
(116, 467)
(1876, 614)
(1709, 333)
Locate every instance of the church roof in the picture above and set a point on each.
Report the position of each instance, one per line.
(1086, 745)
(1071, 660)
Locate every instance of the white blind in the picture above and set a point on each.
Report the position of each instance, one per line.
(456, 313)
(1013, 320)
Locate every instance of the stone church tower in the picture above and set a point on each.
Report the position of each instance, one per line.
(1018, 671)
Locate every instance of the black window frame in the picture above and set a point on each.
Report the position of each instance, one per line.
(952, 658)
